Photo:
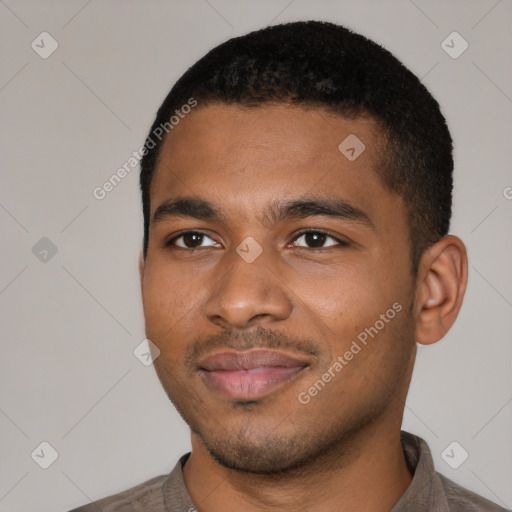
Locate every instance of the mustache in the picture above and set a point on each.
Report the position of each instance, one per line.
(259, 337)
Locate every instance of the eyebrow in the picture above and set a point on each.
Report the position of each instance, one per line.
(277, 211)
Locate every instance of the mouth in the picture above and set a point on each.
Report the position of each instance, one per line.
(250, 375)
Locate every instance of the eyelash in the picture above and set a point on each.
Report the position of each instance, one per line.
(171, 242)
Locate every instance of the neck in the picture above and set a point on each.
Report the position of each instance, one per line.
(368, 471)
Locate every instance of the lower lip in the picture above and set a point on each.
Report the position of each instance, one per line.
(250, 384)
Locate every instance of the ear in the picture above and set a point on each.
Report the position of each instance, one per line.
(441, 284)
(142, 265)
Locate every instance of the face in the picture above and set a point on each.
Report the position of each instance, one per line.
(277, 283)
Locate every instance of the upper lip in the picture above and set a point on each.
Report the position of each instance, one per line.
(233, 360)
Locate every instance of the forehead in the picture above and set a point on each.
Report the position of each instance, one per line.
(243, 158)
(281, 130)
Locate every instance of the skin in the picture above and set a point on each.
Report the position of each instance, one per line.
(304, 296)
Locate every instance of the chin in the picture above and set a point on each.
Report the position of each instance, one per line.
(261, 461)
(265, 453)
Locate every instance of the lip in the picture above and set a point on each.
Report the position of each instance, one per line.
(250, 375)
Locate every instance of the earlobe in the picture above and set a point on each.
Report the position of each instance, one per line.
(442, 281)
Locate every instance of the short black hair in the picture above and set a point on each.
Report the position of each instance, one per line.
(315, 63)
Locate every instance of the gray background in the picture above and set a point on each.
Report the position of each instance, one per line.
(70, 323)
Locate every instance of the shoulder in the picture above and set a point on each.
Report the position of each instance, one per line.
(145, 496)
(463, 500)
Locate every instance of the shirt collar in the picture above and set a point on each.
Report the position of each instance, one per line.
(426, 490)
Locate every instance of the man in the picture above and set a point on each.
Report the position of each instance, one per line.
(296, 189)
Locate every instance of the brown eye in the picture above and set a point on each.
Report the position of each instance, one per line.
(317, 239)
(190, 240)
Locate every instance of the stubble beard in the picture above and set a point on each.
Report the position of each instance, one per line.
(320, 443)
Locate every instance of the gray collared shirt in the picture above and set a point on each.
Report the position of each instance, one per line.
(428, 491)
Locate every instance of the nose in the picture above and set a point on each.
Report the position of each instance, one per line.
(248, 293)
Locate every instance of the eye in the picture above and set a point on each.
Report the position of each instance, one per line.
(190, 240)
(316, 239)
(313, 239)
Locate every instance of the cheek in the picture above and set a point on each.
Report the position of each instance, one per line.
(348, 297)
(170, 299)
(355, 304)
